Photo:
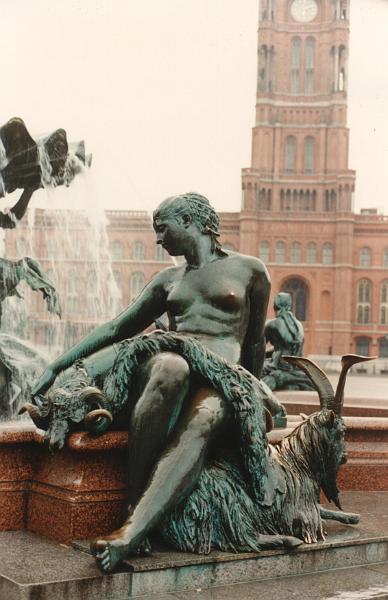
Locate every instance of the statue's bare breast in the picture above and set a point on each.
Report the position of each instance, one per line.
(212, 303)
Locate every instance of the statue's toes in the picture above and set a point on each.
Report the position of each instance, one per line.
(104, 562)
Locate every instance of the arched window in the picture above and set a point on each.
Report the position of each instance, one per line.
(137, 283)
(138, 251)
(51, 276)
(365, 257)
(117, 250)
(295, 65)
(263, 69)
(384, 303)
(117, 276)
(92, 282)
(21, 246)
(73, 282)
(362, 346)
(311, 253)
(264, 251)
(327, 254)
(280, 252)
(326, 312)
(290, 158)
(300, 296)
(385, 257)
(263, 199)
(72, 305)
(309, 66)
(296, 252)
(160, 253)
(52, 248)
(309, 155)
(364, 301)
(383, 347)
(342, 68)
(48, 335)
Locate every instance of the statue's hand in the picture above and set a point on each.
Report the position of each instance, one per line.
(44, 382)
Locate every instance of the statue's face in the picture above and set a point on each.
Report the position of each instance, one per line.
(171, 233)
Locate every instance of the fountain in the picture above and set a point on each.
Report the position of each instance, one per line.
(27, 164)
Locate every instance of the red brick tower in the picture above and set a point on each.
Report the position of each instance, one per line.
(297, 194)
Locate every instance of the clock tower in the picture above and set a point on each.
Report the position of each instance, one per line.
(297, 193)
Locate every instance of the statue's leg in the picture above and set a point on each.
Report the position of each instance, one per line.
(338, 515)
(165, 381)
(173, 477)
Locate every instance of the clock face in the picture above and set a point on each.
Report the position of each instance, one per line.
(304, 10)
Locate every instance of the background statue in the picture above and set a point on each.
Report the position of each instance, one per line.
(28, 270)
(285, 334)
(26, 163)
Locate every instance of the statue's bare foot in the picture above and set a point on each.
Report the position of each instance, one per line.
(278, 541)
(289, 541)
(145, 548)
(114, 548)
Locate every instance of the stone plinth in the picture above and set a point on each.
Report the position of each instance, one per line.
(34, 568)
(78, 492)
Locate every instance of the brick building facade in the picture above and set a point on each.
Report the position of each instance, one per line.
(296, 213)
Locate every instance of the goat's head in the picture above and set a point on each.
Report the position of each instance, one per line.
(71, 401)
(325, 436)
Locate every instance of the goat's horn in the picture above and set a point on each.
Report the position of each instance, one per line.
(90, 394)
(97, 421)
(32, 410)
(347, 361)
(35, 414)
(318, 378)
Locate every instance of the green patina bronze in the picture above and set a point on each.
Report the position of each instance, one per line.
(200, 467)
(285, 334)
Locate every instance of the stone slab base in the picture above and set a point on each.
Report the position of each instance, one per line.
(34, 568)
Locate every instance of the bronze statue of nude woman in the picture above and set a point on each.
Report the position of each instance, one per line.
(220, 299)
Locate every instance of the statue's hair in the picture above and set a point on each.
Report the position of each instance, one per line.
(200, 210)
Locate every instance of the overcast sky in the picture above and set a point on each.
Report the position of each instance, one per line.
(163, 92)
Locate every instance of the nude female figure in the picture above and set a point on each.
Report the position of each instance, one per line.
(217, 297)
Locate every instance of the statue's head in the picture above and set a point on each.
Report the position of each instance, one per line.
(283, 301)
(190, 207)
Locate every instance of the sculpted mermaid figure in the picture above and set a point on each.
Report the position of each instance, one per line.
(219, 298)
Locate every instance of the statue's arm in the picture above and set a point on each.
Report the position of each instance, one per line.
(254, 345)
(149, 305)
(9, 220)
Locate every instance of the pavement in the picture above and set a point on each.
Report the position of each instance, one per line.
(357, 583)
(364, 386)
